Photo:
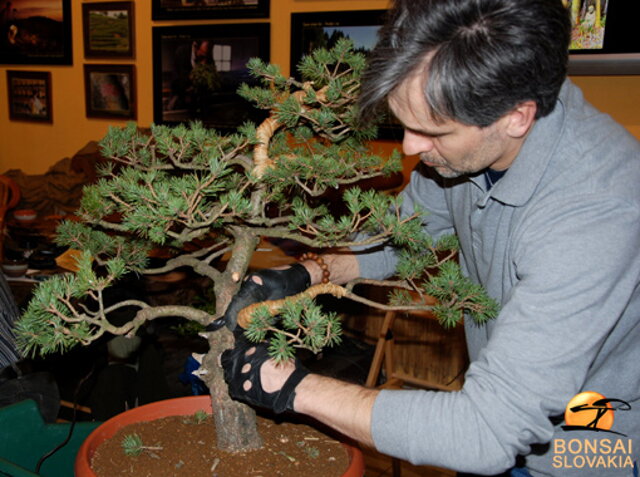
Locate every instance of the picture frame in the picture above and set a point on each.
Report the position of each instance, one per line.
(619, 55)
(108, 29)
(33, 32)
(197, 70)
(311, 30)
(618, 50)
(29, 96)
(207, 9)
(110, 91)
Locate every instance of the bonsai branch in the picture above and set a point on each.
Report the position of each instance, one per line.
(269, 126)
(274, 307)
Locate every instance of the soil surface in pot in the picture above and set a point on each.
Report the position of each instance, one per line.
(188, 448)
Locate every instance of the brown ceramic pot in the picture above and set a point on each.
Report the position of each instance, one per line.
(170, 407)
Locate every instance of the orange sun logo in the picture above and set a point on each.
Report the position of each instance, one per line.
(589, 410)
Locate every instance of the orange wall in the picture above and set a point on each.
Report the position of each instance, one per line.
(35, 147)
(617, 95)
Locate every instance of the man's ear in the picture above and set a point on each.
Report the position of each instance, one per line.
(521, 118)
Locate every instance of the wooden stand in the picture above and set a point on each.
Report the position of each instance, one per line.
(396, 373)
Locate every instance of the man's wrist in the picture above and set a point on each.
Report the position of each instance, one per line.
(341, 265)
(302, 404)
(312, 385)
(344, 406)
(315, 272)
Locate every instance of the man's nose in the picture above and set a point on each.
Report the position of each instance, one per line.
(413, 143)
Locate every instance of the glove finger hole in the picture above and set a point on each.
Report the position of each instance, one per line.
(245, 368)
(250, 351)
(246, 385)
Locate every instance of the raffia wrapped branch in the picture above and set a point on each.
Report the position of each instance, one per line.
(264, 133)
(269, 126)
(274, 306)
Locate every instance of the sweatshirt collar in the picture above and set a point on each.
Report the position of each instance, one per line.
(526, 171)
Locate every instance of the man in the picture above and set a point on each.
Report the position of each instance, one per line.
(542, 191)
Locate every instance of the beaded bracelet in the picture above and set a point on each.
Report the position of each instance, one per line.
(318, 259)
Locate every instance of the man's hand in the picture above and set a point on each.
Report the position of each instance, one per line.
(243, 373)
(268, 284)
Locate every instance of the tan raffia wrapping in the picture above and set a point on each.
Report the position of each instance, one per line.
(274, 306)
(268, 128)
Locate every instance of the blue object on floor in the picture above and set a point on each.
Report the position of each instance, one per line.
(198, 388)
(519, 472)
(25, 438)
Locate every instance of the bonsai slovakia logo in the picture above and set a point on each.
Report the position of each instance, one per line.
(593, 413)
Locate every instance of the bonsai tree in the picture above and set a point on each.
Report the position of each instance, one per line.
(205, 194)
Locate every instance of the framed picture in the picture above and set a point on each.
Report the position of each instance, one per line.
(310, 31)
(197, 70)
(110, 91)
(604, 38)
(208, 9)
(108, 29)
(35, 32)
(29, 96)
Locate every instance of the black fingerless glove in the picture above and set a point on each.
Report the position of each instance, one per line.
(232, 362)
(276, 284)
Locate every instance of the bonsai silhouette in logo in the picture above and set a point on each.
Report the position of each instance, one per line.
(590, 410)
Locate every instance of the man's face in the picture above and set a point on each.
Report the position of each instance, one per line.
(453, 149)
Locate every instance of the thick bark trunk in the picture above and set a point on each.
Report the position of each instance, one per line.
(235, 422)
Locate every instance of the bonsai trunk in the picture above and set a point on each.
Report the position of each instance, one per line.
(236, 427)
(235, 422)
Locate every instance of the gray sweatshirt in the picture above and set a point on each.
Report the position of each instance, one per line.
(557, 242)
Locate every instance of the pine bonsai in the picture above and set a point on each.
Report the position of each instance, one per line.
(205, 194)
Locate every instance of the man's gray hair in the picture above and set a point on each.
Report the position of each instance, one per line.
(488, 56)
